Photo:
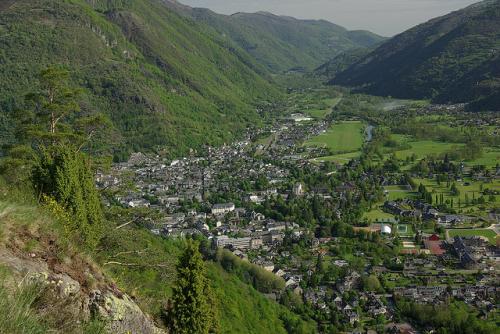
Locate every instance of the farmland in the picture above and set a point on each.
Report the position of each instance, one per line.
(344, 137)
(324, 108)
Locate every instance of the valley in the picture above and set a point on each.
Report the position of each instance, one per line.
(326, 226)
(171, 170)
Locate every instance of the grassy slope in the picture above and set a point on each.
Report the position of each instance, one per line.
(242, 309)
(28, 228)
(281, 43)
(161, 77)
(451, 58)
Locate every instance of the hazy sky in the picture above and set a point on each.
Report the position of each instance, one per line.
(385, 17)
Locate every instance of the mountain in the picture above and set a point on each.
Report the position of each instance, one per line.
(282, 43)
(453, 58)
(162, 78)
(341, 62)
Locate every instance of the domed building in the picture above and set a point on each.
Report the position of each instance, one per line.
(385, 229)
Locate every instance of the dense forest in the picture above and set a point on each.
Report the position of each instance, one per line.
(454, 58)
(162, 79)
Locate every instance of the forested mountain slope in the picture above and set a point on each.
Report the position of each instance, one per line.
(160, 77)
(454, 58)
(282, 43)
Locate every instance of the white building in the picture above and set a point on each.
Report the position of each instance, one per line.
(223, 208)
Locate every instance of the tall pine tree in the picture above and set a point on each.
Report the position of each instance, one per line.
(193, 310)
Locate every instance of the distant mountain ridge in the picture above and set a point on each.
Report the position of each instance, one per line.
(453, 58)
(282, 43)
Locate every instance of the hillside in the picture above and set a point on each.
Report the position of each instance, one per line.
(54, 286)
(282, 43)
(162, 78)
(341, 62)
(454, 58)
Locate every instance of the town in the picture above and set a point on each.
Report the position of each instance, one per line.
(272, 201)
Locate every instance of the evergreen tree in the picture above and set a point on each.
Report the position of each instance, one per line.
(65, 175)
(193, 310)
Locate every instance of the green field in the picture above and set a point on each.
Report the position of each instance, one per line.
(490, 158)
(377, 215)
(340, 158)
(473, 190)
(490, 234)
(341, 137)
(405, 230)
(422, 148)
(398, 192)
(324, 109)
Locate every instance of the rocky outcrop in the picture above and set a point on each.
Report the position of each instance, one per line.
(120, 313)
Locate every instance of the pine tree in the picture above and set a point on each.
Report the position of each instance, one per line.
(193, 310)
(65, 175)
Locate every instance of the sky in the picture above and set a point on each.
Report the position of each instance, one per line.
(384, 17)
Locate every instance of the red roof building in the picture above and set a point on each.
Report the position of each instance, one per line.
(435, 247)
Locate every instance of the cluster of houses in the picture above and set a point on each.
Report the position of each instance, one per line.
(420, 210)
(165, 186)
(475, 252)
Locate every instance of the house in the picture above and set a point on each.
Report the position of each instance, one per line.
(298, 189)
(224, 208)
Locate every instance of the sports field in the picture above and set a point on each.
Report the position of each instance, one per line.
(341, 137)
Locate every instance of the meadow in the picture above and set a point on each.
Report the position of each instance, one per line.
(344, 137)
(324, 108)
(421, 148)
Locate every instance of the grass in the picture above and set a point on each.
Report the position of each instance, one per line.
(472, 190)
(405, 230)
(321, 113)
(340, 158)
(490, 234)
(490, 158)
(341, 137)
(398, 192)
(421, 148)
(16, 312)
(377, 215)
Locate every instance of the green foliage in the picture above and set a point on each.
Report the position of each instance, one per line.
(65, 175)
(371, 283)
(284, 43)
(161, 79)
(193, 309)
(16, 313)
(451, 58)
(246, 311)
(452, 318)
(261, 279)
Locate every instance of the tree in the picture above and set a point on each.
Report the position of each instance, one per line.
(58, 170)
(64, 175)
(193, 310)
(371, 283)
(54, 102)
